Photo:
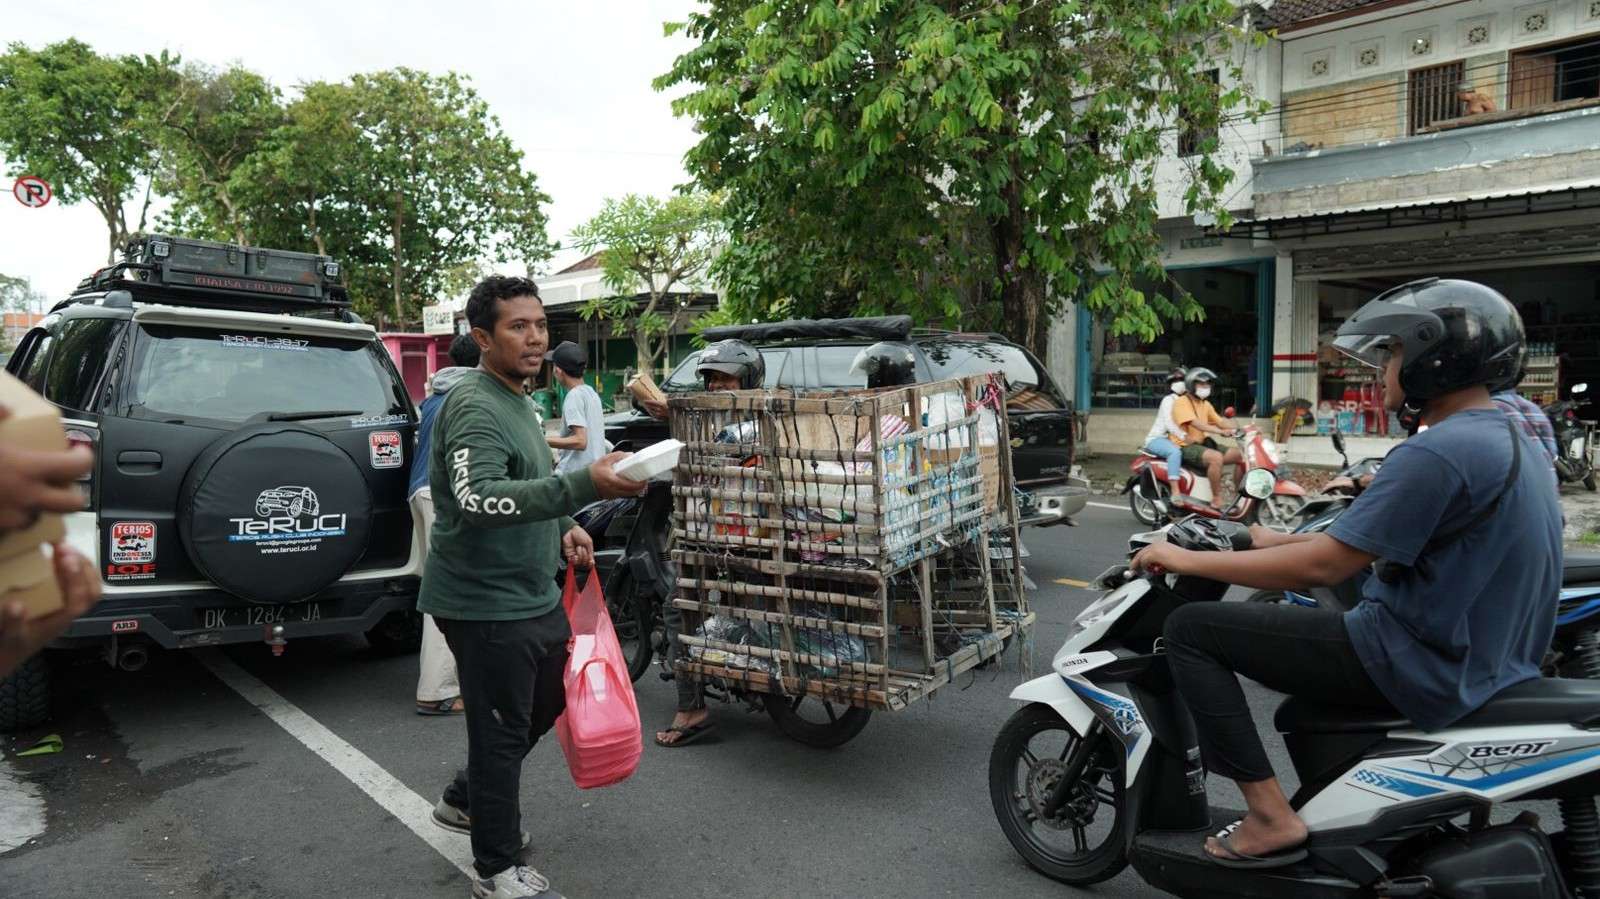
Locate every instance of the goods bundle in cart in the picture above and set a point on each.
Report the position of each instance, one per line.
(845, 552)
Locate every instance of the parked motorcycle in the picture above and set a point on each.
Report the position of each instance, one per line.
(633, 553)
(1100, 769)
(1573, 437)
(1150, 491)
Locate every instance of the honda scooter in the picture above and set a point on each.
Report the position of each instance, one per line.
(1100, 769)
(1150, 491)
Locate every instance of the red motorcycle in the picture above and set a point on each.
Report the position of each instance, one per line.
(1263, 498)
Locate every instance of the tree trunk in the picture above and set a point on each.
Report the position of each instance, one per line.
(394, 235)
(1022, 290)
(316, 234)
(646, 353)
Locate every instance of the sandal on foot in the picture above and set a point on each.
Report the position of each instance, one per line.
(1245, 861)
(686, 735)
(451, 706)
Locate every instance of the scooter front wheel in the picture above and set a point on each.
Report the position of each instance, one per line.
(1082, 842)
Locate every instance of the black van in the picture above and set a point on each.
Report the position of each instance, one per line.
(806, 354)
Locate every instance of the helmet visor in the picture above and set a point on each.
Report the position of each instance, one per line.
(1371, 350)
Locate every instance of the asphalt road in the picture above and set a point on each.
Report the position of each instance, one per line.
(172, 783)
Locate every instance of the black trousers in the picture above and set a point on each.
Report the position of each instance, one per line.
(510, 674)
(1290, 649)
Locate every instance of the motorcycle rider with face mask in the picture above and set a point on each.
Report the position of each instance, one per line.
(1195, 415)
(1166, 438)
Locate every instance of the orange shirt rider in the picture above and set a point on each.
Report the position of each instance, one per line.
(1194, 414)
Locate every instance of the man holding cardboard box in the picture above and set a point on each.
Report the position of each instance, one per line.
(40, 594)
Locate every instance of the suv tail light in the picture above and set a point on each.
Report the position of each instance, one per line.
(80, 436)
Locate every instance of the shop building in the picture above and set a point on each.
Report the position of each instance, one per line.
(1407, 138)
(1422, 139)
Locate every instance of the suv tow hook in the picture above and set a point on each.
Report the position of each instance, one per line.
(274, 638)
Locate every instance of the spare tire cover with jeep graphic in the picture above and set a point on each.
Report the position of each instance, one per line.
(274, 512)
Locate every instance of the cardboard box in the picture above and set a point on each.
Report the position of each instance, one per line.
(25, 570)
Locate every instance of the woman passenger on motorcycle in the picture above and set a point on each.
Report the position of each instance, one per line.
(724, 365)
(1464, 603)
(1166, 439)
(1195, 415)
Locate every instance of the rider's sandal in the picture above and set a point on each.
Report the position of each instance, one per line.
(687, 735)
(1246, 861)
(451, 706)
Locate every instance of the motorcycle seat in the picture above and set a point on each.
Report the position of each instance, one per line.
(1539, 701)
(1580, 568)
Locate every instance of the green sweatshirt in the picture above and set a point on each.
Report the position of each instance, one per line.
(499, 513)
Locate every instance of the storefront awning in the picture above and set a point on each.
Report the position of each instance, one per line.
(1433, 211)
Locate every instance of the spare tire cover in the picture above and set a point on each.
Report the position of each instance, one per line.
(274, 512)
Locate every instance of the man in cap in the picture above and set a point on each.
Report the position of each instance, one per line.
(583, 432)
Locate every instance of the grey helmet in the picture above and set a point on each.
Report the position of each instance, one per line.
(886, 364)
(1199, 374)
(734, 357)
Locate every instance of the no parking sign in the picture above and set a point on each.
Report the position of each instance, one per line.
(31, 191)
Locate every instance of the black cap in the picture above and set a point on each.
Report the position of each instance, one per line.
(569, 357)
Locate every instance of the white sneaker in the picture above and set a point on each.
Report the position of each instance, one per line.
(518, 882)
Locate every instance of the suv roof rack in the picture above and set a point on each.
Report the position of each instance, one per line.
(959, 335)
(184, 271)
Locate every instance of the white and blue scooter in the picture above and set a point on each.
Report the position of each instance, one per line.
(1100, 769)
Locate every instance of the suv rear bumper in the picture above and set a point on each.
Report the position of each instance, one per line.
(179, 620)
(1055, 504)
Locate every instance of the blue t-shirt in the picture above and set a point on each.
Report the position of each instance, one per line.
(419, 459)
(1439, 648)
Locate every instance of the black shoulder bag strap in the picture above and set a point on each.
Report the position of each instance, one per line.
(1394, 572)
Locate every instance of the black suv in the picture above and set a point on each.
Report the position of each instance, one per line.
(809, 355)
(252, 442)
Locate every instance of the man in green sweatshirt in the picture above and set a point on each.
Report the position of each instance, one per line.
(489, 582)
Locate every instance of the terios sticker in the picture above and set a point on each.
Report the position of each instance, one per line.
(133, 551)
(385, 449)
(133, 542)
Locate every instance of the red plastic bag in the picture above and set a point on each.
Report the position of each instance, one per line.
(599, 732)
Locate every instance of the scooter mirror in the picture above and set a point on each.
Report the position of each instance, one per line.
(1258, 483)
(1228, 412)
(1580, 388)
(1338, 442)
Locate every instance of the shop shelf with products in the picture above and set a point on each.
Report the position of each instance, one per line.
(1542, 383)
(1129, 389)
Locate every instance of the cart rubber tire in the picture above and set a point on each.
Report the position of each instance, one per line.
(818, 736)
(25, 696)
(630, 610)
(1100, 864)
(1274, 597)
(397, 633)
(1588, 481)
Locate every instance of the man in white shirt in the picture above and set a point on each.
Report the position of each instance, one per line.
(583, 438)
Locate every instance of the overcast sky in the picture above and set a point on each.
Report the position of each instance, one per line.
(570, 82)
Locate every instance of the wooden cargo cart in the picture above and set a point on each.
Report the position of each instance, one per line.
(852, 547)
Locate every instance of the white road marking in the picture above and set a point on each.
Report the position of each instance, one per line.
(21, 809)
(384, 788)
(1109, 506)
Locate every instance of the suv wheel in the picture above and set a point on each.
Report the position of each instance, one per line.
(25, 696)
(397, 633)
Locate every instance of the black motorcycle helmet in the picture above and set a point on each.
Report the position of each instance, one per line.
(1512, 382)
(1455, 334)
(886, 364)
(737, 358)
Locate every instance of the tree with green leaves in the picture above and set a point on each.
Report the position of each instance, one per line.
(440, 182)
(211, 124)
(974, 162)
(83, 122)
(648, 247)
